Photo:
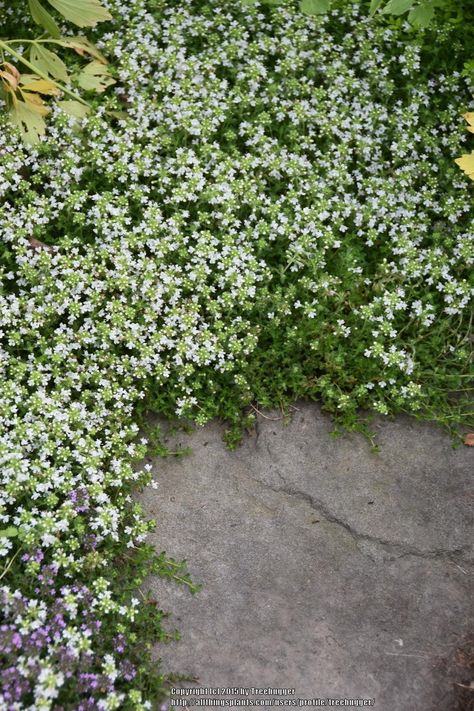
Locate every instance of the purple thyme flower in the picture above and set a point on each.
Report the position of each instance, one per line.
(80, 499)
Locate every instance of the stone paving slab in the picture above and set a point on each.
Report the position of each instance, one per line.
(326, 568)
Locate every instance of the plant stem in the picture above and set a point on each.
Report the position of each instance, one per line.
(7, 48)
(183, 580)
(7, 568)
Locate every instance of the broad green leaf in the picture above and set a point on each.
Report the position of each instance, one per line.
(48, 62)
(374, 6)
(83, 13)
(28, 121)
(95, 77)
(82, 46)
(466, 163)
(74, 108)
(9, 532)
(397, 7)
(249, 2)
(421, 15)
(43, 18)
(314, 7)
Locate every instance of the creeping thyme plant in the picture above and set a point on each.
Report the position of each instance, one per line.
(274, 213)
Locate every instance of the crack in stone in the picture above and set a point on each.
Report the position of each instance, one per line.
(401, 549)
(258, 432)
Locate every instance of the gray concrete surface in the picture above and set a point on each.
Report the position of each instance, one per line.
(326, 568)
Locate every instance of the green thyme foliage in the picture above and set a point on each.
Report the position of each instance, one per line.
(277, 215)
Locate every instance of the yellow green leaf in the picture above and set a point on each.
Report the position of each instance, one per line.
(95, 77)
(314, 7)
(28, 121)
(35, 103)
(41, 86)
(74, 108)
(48, 62)
(83, 13)
(374, 6)
(466, 163)
(83, 46)
(470, 119)
(421, 15)
(9, 532)
(43, 18)
(397, 7)
(121, 115)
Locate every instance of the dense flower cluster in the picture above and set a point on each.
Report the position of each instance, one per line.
(274, 210)
(56, 644)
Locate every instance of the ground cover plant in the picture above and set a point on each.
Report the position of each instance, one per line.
(277, 214)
